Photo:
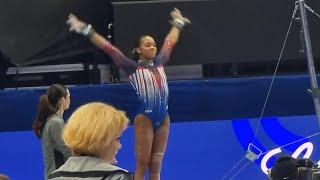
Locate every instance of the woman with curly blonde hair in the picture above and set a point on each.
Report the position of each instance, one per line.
(93, 134)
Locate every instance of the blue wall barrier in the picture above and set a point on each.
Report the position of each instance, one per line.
(191, 100)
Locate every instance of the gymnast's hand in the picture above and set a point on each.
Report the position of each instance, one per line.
(78, 26)
(177, 16)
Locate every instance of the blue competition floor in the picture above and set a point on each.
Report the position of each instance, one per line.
(206, 150)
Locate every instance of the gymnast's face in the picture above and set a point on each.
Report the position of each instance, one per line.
(147, 49)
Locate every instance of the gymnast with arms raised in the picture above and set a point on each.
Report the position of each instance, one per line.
(147, 76)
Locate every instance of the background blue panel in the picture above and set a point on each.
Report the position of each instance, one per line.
(21, 155)
(192, 100)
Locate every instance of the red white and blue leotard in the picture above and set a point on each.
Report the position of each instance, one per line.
(148, 79)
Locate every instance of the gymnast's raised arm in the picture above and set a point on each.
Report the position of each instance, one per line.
(99, 41)
(178, 22)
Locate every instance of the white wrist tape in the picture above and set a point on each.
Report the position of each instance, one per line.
(178, 22)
